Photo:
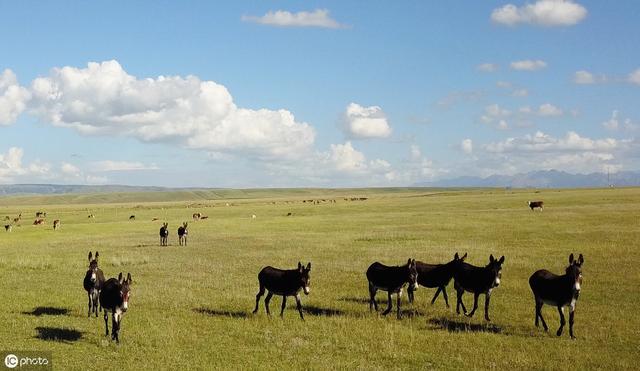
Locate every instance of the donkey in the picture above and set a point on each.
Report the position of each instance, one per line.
(164, 234)
(391, 280)
(182, 234)
(114, 297)
(285, 283)
(93, 282)
(478, 280)
(132, 217)
(7, 227)
(437, 275)
(560, 291)
(56, 224)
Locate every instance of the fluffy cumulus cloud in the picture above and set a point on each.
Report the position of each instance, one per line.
(12, 168)
(541, 142)
(548, 110)
(528, 65)
(542, 13)
(366, 122)
(104, 99)
(488, 67)
(110, 165)
(615, 123)
(584, 78)
(282, 18)
(13, 97)
(467, 146)
(634, 77)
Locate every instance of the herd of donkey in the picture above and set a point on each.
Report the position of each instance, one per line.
(112, 295)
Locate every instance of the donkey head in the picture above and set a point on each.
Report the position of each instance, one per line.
(125, 290)
(457, 261)
(93, 267)
(412, 275)
(574, 270)
(495, 267)
(305, 278)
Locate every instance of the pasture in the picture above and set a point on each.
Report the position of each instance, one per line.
(190, 306)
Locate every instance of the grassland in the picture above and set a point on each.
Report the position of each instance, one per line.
(191, 306)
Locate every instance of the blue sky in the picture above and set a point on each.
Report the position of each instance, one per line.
(317, 93)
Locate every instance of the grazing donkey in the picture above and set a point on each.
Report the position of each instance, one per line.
(183, 231)
(56, 224)
(559, 291)
(114, 297)
(7, 227)
(285, 283)
(132, 217)
(93, 281)
(164, 234)
(437, 275)
(391, 280)
(478, 280)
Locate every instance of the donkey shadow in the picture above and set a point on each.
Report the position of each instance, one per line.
(220, 313)
(49, 311)
(58, 334)
(323, 312)
(457, 326)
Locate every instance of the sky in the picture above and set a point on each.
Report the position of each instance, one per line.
(249, 94)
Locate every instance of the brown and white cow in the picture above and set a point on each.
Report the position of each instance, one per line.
(535, 205)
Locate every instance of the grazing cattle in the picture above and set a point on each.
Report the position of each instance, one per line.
(56, 224)
(93, 281)
(16, 220)
(391, 280)
(284, 283)
(7, 227)
(41, 214)
(204, 217)
(289, 214)
(535, 205)
(164, 234)
(478, 280)
(132, 217)
(183, 231)
(559, 291)
(90, 216)
(253, 216)
(114, 297)
(197, 216)
(437, 275)
(39, 222)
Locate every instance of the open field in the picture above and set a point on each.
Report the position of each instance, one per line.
(191, 306)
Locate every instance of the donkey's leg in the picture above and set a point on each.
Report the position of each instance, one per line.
(562, 321)
(398, 296)
(389, 305)
(436, 295)
(284, 305)
(444, 293)
(572, 310)
(115, 326)
(266, 302)
(475, 305)
(258, 296)
(459, 293)
(487, 298)
(299, 306)
(544, 323)
(90, 304)
(372, 297)
(106, 322)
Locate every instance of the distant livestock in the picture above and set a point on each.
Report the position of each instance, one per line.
(154, 219)
(535, 205)
(114, 297)
(41, 214)
(132, 217)
(56, 224)
(559, 291)
(204, 217)
(164, 234)
(7, 227)
(437, 275)
(391, 280)
(253, 216)
(197, 216)
(39, 222)
(90, 216)
(284, 283)
(183, 231)
(93, 281)
(477, 280)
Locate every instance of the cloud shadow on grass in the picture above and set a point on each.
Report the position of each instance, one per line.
(49, 311)
(58, 334)
(220, 313)
(457, 326)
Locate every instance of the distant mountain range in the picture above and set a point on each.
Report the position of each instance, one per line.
(542, 179)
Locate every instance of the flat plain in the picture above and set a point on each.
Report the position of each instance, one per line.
(191, 306)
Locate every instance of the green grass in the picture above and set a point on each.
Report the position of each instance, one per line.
(191, 307)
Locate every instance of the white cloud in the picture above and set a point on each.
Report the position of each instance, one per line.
(528, 65)
(109, 165)
(416, 153)
(283, 18)
(11, 167)
(520, 92)
(366, 122)
(13, 97)
(542, 12)
(104, 99)
(487, 67)
(614, 123)
(584, 78)
(541, 142)
(634, 77)
(467, 146)
(70, 169)
(549, 109)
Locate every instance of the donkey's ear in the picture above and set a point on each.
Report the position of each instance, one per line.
(571, 258)
(581, 259)
(120, 277)
(97, 255)
(309, 266)
(464, 256)
(128, 277)
(491, 258)
(501, 260)
(90, 256)
(299, 266)
(456, 257)
(409, 261)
